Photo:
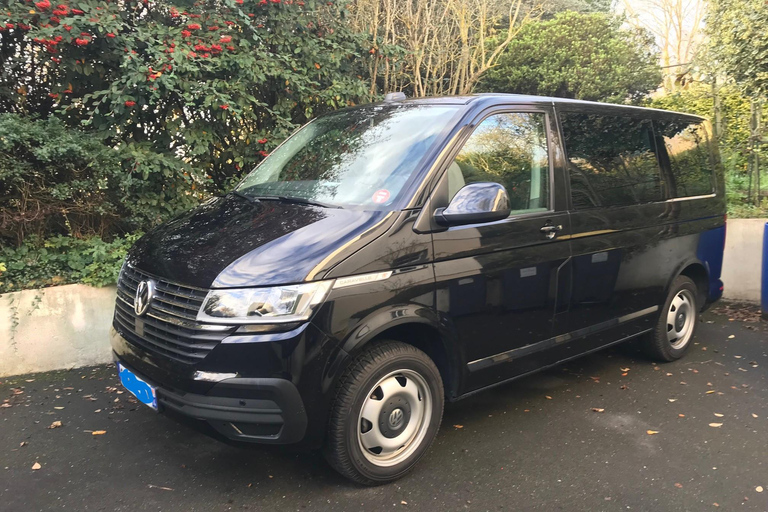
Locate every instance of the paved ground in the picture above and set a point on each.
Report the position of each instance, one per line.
(535, 444)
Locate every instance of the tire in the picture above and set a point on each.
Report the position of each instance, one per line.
(677, 322)
(401, 387)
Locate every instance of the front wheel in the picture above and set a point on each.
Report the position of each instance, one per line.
(674, 331)
(386, 414)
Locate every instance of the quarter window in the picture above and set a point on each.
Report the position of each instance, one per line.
(509, 149)
(690, 159)
(612, 160)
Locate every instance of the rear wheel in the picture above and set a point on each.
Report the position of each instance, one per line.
(674, 331)
(387, 411)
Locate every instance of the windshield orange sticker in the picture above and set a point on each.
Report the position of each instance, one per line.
(381, 196)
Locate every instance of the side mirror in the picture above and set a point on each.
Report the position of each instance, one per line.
(475, 203)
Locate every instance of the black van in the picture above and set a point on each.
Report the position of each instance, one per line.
(388, 257)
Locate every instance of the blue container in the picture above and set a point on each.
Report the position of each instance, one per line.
(764, 278)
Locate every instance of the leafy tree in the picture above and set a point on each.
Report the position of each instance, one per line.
(189, 94)
(552, 7)
(574, 55)
(739, 41)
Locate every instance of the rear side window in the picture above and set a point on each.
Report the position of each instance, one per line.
(612, 160)
(690, 157)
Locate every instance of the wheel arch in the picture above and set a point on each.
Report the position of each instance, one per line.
(413, 324)
(697, 272)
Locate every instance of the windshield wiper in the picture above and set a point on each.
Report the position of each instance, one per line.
(248, 198)
(296, 200)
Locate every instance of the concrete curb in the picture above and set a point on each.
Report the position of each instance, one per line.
(55, 328)
(742, 261)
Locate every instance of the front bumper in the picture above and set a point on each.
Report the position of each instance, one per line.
(244, 409)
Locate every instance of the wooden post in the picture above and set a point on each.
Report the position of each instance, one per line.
(717, 109)
(752, 148)
(757, 139)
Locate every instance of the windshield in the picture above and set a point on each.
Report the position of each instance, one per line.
(352, 158)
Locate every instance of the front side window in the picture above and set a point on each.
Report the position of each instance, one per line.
(612, 160)
(509, 149)
(357, 158)
(690, 158)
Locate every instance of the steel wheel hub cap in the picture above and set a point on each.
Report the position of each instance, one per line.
(394, 418)
(680, 319)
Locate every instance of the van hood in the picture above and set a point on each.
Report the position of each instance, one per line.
(231, 242)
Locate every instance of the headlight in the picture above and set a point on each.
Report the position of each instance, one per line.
(278, 304)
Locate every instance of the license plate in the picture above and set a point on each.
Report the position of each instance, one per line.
(138, 387)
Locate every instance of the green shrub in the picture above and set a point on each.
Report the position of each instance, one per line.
(61, 181)
(61, 260)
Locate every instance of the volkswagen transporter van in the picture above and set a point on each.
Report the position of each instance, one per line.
(389, 257)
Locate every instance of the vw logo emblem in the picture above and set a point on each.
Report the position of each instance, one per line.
(396, 418)
(144, 293)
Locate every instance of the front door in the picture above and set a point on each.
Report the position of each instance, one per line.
(498, 283)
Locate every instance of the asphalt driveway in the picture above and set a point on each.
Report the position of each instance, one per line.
(611, 431)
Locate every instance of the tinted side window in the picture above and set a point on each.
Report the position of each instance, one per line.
(510, 149)
(690, 158)
(612, 160)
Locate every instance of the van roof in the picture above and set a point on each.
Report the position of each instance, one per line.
(527, 98)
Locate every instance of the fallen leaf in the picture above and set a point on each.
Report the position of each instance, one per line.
(55, 424)
(718, 415)
(672, 399)
(651, 432)
(679, 485)
(715, 425)
(458, 426)
(58, 408)
(710, 391)
(4, 405)
(36, 466)
(759, 488)
(624, 374)
(624, 369)
(681, 415)
(598, 409)
(669, 374)
(754, 415)
(403, 502)
(548, 397)
(23, 443)
(737, 357)
(162, 488)
(731, 337)
(98, 432)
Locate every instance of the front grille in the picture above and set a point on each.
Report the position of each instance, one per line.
(170, 324)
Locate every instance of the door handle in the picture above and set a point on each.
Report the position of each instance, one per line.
(551, 230)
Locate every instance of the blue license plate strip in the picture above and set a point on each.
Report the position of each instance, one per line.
(142, 390)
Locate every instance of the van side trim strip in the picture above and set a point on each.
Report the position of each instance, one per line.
(515, 353)
(690, 198)
(542, 368)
